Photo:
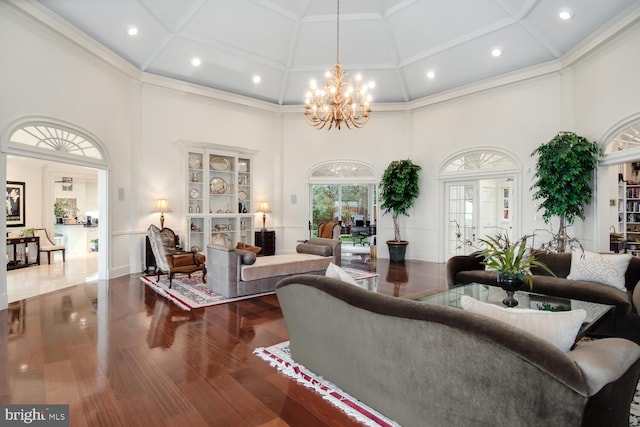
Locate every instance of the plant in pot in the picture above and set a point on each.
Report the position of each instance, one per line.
(512, 261)
(399, 191)
(564, 182)
(58, 212)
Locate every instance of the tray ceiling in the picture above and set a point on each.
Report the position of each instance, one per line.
(394, 43)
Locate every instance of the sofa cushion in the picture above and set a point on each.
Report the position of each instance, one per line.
(607, 269)
(307, 248)
(339, 273)
(284, 265)
(559, 328)
(245, 247)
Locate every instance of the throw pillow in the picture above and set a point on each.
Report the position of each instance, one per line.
(246, 257)
(608, 269)
(338, 273)
(559, 328)
(309, 248)
(245, 247)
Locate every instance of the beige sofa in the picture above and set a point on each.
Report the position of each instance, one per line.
(427, 365)
(235, 272)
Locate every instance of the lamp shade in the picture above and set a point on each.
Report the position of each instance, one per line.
(264, 207)
(162, 206)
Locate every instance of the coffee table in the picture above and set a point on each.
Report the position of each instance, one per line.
(494, 295)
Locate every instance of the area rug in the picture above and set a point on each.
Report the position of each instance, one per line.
(190, 292)
(279, 357)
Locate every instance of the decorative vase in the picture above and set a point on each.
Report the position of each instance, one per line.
(510, 284)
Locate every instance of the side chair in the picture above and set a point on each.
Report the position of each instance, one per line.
(46, 245)
(170, 260)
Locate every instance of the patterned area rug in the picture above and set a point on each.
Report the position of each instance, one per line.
(189, 293)
(279, 357)
(634, 416)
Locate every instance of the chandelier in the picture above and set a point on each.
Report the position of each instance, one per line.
(338, 101)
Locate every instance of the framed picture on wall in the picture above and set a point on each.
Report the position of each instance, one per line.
(15, 204)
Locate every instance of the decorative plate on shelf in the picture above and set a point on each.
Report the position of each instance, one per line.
(194, 162)
(220, 227)
(243, 166)
(217, 185)
(242, 195)
(219, 163)
(194, 193)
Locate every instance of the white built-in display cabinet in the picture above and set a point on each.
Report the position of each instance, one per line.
(219, 198)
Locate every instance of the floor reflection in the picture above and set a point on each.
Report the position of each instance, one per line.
(15, 318)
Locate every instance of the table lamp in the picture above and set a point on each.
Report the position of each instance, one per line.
(162, 206)
(264, 208)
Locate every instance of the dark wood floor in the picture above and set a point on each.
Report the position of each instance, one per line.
(124, 356)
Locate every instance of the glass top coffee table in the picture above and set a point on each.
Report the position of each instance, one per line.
(495, 295)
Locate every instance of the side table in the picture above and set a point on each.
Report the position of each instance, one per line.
(267, 241)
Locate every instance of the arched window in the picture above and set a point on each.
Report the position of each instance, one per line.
(43, 136)
(627, 139)
(342, 170)
(478, 160)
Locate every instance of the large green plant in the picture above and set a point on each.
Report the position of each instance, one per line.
(399, 190)
(564, 179)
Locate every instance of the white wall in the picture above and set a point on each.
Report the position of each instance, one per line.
(52, 77)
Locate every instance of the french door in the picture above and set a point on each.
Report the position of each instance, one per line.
(476, 209)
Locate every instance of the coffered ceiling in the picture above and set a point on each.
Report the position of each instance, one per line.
(395, 43)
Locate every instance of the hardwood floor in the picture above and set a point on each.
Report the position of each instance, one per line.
(125, 356)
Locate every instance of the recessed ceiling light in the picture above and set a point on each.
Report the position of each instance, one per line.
(565, 14)
(195, 61)
(431, 74)
(256, 79)
(496, 52)
(133, 30)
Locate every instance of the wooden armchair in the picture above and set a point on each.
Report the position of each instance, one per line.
(170, 260)
(46, 245)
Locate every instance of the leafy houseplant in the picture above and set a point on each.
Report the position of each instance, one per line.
(512, 261)
(564, 181)
(58, 211)
(399, 191)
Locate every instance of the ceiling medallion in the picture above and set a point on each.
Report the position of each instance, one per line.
(338, 101)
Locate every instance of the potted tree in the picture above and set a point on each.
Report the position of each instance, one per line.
(58, 212)
(399, 191)
(512, 262)
(564, 181)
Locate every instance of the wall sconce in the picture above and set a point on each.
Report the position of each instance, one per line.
(264, 208)
(162, 206)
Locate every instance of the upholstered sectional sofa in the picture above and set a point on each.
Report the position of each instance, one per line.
(625, 323)
(421, 364)
(235, 272)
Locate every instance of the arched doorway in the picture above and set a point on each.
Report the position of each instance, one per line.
(344, 191)
(56, 142)
(618, 181)
(481, 196)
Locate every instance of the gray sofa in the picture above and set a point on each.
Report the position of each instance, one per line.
(235, 272)
(464, 269)
(428, 365)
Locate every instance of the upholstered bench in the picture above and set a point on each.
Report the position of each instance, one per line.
(235, 272)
